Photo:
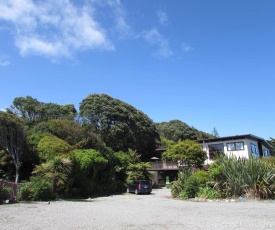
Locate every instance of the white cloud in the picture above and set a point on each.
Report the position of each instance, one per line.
(162, 17)
(186, 48)
(121, 27)
(53, 28)
(154, 38)
(4, 60)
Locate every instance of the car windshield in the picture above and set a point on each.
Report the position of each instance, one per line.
(145, 182)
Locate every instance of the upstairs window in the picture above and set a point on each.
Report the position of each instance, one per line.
(215, 150)
(234, 146)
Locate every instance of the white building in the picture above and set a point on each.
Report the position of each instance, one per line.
(244, 146)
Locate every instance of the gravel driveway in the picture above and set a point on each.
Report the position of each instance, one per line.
(129, 211)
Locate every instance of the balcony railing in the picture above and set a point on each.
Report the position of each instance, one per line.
(165, 165)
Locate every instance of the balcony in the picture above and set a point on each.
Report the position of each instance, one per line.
(165, 165)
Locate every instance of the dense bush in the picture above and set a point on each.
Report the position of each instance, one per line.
(192, 185)
(38, 189)
(252, 178)
(178, 185)
(4, 193)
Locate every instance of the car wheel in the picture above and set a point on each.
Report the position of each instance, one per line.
(136, 192)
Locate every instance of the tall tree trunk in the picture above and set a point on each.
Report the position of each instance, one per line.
(17, 167)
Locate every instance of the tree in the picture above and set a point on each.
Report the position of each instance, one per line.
(67, 130)
(215, 132)
(121, 125)
(189, 152)
(33, 111)
(89, 167)
(176, 130)
(12, 139)
(56, 170)
(136, 168)
(51, 146)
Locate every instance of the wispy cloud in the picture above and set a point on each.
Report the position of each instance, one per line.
(119, 15)
(162, 17)
(154, 38)
(186, 48)
(4, 60)
(54, 28)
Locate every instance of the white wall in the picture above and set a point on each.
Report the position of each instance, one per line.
(245, 153)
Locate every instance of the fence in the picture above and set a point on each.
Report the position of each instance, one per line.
(13, 187)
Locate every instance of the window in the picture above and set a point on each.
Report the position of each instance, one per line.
(215, 150)
(266, 153)
(254, 150)
(235, 146)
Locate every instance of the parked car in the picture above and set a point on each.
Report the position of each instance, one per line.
(140, 186)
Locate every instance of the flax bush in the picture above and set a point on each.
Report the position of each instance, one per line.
(178, 185)
(251, 178)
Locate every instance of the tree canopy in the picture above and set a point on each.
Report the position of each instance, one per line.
(52, 146)
(188, 152)
(33, 111)
(121, 125)
(177, 130)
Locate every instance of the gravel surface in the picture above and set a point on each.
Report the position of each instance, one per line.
(129, 211)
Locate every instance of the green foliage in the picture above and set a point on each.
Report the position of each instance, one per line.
(177, 130)
(207, 193)
(33, 111)
(120, 125)
(89, 158)
(6, 166)
(165, 143)
(253, 178)
(12, 138)
(51, 146)
(187, 151)
(38, 189)
(136, 168)
(90, 169)
(4, 193)
(193, 184)
(55, 170)
(272, 143)
(178, 185)
(67, 130)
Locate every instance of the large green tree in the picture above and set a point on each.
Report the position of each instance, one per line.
(121, 125)
(12, 138)
(52, 146)
(188, 152)
(67, 130)
(34, 111)
(177, 130)
(56, 170)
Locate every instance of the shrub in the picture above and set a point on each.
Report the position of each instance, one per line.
(253, 178)
(4, 193)
(38, 189)
(208, 193)
(192, 185)
(178, 185)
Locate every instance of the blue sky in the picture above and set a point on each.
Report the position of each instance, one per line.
(207, 63)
